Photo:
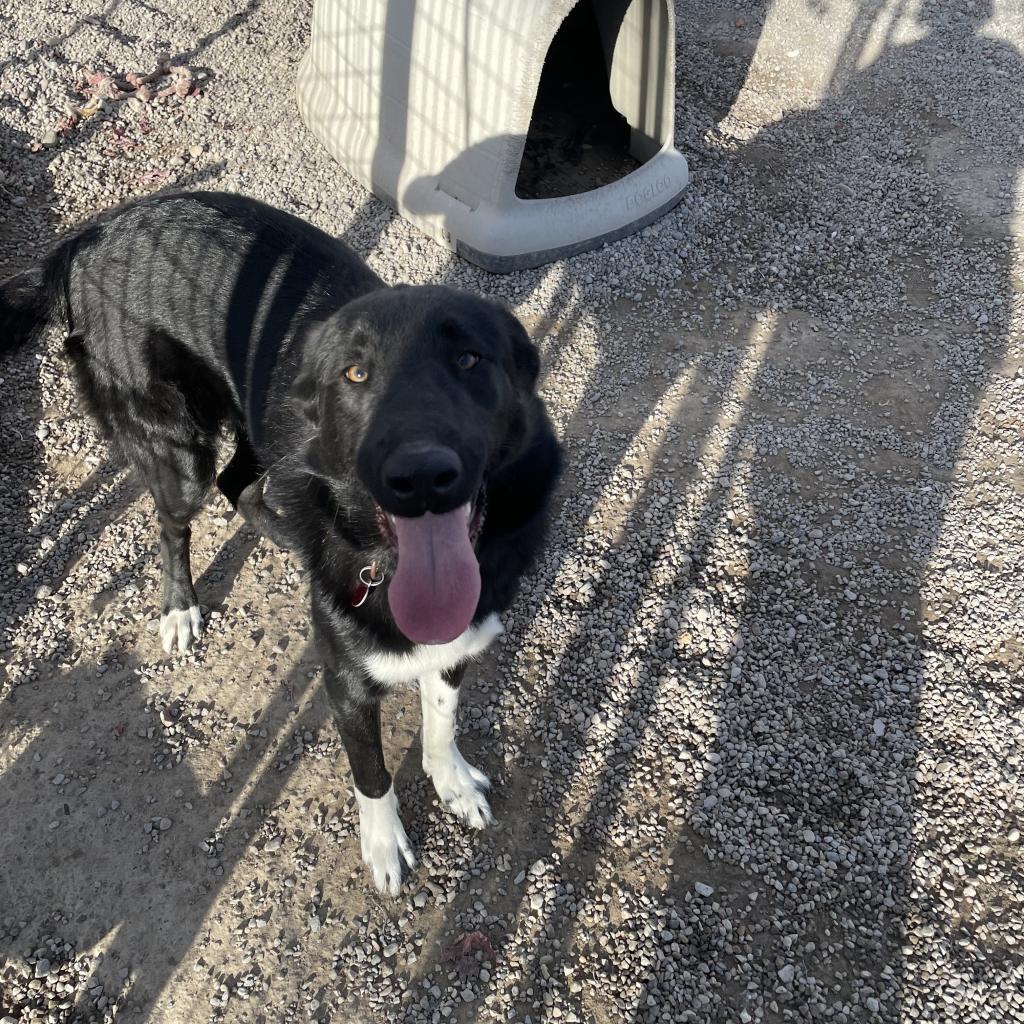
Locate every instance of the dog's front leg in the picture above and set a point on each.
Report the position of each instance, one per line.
(385, 847)
(253, 508)
(460, 786)
(243, 482)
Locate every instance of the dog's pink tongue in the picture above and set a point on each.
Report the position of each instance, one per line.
(434, 591)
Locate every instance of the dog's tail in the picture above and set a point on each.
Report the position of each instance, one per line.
(36, 297)
(25, 304)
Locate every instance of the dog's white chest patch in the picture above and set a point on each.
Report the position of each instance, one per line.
(395, 669)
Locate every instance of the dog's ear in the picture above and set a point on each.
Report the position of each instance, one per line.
(308, 382)
(305, 394)
(525, 357)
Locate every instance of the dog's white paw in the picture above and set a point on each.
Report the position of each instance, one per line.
(460, 786)
(181, 627)
(385, 846)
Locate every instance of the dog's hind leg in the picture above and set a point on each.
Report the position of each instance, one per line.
(178, 485)
(460, 786)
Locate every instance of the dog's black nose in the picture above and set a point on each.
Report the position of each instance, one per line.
(418, 476)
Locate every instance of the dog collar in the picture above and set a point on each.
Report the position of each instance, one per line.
(370, 576)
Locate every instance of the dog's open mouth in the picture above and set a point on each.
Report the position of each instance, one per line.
(436, 584)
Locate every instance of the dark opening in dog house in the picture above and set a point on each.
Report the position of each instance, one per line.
(513, 133)
(578, 139)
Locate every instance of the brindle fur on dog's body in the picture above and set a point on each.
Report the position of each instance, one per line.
(389, 435)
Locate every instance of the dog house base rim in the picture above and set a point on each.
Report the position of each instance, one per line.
(528, 261)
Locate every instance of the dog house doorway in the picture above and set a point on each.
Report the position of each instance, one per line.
(579, 139)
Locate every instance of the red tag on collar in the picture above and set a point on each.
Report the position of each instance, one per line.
(368, 577)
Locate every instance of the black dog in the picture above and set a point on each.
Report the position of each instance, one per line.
(391, 436)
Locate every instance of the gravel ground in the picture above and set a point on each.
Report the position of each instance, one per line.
(756, 726)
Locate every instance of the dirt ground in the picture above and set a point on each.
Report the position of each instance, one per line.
(755, 727)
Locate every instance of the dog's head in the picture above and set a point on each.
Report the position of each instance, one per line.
(425, 391)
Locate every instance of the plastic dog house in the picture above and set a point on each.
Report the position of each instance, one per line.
(513, 132)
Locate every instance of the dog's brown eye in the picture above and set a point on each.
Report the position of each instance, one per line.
(467, 360)
(357, 374)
